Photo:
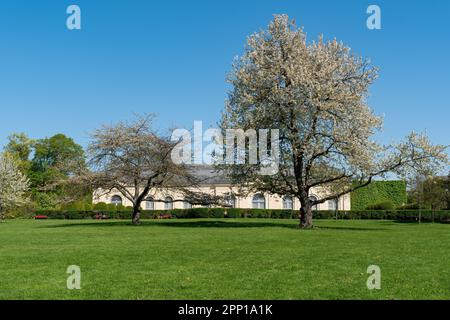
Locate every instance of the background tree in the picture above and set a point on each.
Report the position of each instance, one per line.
(432, 192)
(316, 95)
(13, 184)
(20, 146)
(54, 161)
(47, 163)
(134, 159)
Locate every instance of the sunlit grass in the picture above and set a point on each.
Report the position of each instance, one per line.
(223, 259)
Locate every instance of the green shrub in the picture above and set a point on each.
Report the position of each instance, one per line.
(379, 191)
(216, 213)
(324, 214)
(191, 213)
(120, 207)
(286, 214)
(383, 205)
(442, 216)
(101, 206)
(414, 206)
(234, 213)
(112, 207)
(74, 206)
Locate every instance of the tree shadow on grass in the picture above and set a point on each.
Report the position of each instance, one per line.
(206, 224)
(339, 228)
(226, 224)
(255, 224)
(177, 224)
(426, 222)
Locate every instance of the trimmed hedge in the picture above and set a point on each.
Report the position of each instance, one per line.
(399, 215)
(384, 205)
(414, 206)
(117, 214)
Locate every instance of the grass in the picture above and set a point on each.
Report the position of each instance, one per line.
(223, 259)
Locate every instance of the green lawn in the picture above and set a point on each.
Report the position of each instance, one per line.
(223, 259)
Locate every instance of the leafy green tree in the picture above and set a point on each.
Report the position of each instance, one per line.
(432, 192)
(20, 147)
(55, 159)
(47, 163)
(59, 153)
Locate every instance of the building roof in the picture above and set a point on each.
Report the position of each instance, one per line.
(208, 175)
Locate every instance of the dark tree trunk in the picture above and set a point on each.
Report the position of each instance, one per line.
(136, 215)
(306, 216)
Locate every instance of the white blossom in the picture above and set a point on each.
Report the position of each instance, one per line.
(13, 184)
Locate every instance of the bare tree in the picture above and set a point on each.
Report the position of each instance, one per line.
(315, 94)
(134, 159)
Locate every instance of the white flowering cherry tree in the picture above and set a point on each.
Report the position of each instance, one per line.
(315, 93)
(13, 184)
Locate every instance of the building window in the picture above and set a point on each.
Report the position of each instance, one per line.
(288, 203)
(259, 202)
(149, 204)
(231, 201)
(168, 203)
(333, 204)
(312, 199)
(116, 200)
(187, 204)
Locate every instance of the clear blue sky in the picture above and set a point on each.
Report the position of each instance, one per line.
(171, 58)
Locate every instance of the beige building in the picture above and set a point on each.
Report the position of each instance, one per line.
(169, 199)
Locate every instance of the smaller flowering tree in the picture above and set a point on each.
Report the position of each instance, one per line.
(133, 159)
(13, 184)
